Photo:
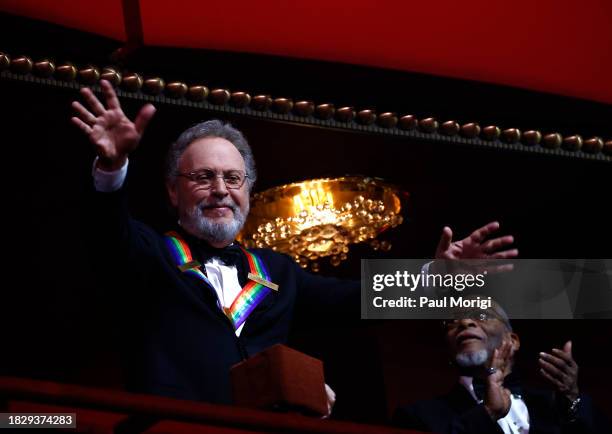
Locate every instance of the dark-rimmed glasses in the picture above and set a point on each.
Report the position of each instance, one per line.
(234, 179)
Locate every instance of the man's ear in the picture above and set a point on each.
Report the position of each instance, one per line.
(172, 193)
(516, 342)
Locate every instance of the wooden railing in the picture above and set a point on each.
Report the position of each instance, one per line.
(102, 411)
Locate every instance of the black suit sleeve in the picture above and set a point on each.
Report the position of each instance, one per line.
(327, 296)
(477, 421)
(435, 416)
(588, 419)
(409, 418)
(121, 247)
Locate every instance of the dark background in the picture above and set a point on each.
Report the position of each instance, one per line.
(55, 327)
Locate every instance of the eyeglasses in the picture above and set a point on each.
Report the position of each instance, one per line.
(234, 179)
(476, 315)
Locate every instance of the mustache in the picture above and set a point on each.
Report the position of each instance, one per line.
(218, 203)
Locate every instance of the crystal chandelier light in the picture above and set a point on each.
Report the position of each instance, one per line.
(320, 218)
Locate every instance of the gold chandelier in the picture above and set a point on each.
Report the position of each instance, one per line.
(320, 218)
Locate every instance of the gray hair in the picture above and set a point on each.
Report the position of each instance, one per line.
(212, 128)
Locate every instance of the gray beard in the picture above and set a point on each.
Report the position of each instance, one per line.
(472, 359)
(480, 357)
(196, 223)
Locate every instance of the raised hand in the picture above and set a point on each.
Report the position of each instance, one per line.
(497, 398)
(108, 128)
(561, 370)
(476, 245)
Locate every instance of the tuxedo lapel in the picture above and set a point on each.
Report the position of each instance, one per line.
(200, 292)
(201, 288)
(460, 399)
(264, 305)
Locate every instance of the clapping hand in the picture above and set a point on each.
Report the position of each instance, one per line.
(497, 399)
(561, 370)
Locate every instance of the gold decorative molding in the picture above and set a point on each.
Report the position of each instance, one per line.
(430, 129)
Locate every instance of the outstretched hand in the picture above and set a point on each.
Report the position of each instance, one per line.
(476, 245)
(477, 248)
(108, 128)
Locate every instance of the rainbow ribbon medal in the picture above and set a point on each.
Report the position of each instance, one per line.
(255, 290)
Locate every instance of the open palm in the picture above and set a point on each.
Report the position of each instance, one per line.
(476, 245)
(113, 134)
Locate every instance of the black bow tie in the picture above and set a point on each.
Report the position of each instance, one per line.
(511, 382)
(230, 255)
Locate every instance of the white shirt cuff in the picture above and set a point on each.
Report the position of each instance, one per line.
(107, 182)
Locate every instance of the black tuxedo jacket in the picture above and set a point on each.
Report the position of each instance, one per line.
(458, 413)
(179, 342)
